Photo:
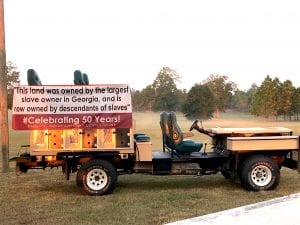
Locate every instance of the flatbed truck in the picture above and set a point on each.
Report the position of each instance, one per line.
(99, 154)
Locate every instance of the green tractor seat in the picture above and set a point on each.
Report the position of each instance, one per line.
(173, 138)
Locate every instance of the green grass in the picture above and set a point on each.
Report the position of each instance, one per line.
(44, 197)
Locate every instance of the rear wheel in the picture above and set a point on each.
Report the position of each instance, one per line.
(97, 177)
(259, 173)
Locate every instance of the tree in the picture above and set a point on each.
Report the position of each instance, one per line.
(165, 89)
(181, 95)
(265, 99)
(250, 93)
(295, 108)
(221, 89)
(242, 100)
(136, 100)
(239, 101)
(143, 100)
(12, 79)
(285, 96)
(200, 103)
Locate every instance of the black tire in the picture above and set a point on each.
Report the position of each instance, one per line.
(97, 177)
(259, 173)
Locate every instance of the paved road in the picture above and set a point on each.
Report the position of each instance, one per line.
(278, 211)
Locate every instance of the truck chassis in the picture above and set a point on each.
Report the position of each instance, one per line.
(96, 140)
(256, 167)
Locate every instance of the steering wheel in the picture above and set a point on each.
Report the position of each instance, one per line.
(194, 125)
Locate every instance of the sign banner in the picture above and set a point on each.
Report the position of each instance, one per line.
(71, 106)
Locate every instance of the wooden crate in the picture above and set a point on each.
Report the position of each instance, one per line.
(144, 151)
(263, 143)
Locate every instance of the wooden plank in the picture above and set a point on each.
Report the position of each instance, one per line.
(263, 143)
(249, 130)
(53, 152)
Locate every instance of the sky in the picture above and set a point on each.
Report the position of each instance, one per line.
(120, 41)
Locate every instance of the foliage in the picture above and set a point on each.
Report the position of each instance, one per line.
(265, 99)
(295, 108)
(200, 103)
(161, 95)
(285, 98)
(166, 78)
(182, 96)
(274, 98)
(250, 93)
(166, 95)
(221, 89)
(13, 75)
(143, 100)
(239, 101)
(165, 101)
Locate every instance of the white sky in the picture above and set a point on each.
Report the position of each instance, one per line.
(128, 41)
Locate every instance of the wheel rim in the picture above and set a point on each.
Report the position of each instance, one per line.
(96, 179)
(261, 175)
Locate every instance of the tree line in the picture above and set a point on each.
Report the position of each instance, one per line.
(276, 99)
(206, 99)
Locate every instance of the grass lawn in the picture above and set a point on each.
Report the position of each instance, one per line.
(44, 197)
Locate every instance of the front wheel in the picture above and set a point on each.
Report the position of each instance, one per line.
(97, 177)
(259, 173)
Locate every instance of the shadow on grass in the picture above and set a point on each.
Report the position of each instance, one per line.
(141, 183)
(66, 187)
(54, 182)
(149, 182)
(138, 182)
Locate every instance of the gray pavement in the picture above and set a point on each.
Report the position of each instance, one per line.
(279, 211)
